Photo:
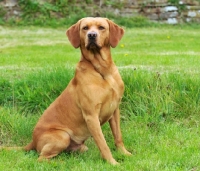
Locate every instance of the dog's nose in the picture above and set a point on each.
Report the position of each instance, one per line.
(92, 35)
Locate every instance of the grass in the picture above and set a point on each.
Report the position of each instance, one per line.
(159, 112)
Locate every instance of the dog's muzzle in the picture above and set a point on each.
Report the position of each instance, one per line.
(92, 44)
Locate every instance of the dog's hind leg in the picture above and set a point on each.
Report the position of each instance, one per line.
(50, 145)
(29, 146)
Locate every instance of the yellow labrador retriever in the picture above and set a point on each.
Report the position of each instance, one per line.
(91, 98)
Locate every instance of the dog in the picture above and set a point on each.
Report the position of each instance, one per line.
(91, 98)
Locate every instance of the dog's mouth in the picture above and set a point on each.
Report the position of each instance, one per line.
(92, 45)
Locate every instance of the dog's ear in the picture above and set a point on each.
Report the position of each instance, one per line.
(74, 35)
(116, 33)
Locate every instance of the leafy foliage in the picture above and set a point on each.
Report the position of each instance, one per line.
(54, 13)
(64, 12)
(181, 7)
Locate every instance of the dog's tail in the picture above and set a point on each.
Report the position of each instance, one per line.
(26, 148)
(10, 148)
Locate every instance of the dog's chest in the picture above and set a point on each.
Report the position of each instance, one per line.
(112, 98)
(116, 87)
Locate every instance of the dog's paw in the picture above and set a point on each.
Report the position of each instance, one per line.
(113, 162)
(127, 153)
(83, 148)
(124, 151)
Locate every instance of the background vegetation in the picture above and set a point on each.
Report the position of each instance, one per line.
(61, 13)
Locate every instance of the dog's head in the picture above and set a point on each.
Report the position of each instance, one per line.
(94, 33)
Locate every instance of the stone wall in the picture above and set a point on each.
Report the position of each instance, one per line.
(156, 10)
(163, 10)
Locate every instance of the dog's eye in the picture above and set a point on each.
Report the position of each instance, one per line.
(85, 28)
(101, 28)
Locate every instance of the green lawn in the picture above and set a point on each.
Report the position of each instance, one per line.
(159, 112)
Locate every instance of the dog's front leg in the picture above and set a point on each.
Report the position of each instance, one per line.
(115, 127)
(94, 127)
